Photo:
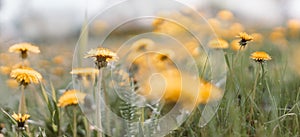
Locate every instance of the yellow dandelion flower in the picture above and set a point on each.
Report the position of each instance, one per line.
(71, 97)
(143, 44)
(260, 56)
(166, 85)
(208, 92)
(244, 38)
(102, 56)
(225, 15)
(21, 119)
(235, 45)
(25, 76)
(162, 60)
(23, 49)
(218, 44)
(138, 47)
(164, 55)
(169, 86)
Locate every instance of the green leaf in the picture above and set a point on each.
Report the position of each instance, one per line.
(9, 116)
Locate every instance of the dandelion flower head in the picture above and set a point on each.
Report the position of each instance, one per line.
(143, 44)
(71, 97)
(102, 56)
(244, 38)
(21, 119)
(23, 49)
(260, 56)
(25, 76)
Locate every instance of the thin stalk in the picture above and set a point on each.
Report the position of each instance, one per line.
(262, 71)
(106, 101)
(22, 104)
(58, 125)
(237, 55)
(98, 103)
(253, 100)
(255, 85)
(74, 123)
(87, 127)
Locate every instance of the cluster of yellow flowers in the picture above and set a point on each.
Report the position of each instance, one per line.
(168, 84)
(23, 75)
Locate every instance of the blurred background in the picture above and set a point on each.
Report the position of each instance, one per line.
(58, 24)
(58, 20)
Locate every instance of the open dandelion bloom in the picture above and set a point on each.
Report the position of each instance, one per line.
(21, 119)
(169, 85)
(144, 65)
(244, 38)
(164, 55)
(71, 97)
(208, 93)
(218, 44)
(260, 56)
(235, 45)
(166, 85)
(102, 56)
(25, 76)
(23, 49)
(142, 45)
(163, 59)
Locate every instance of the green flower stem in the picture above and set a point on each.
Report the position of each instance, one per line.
(22, 103)
(87, 127)
(74, 123)
(254, 95)
(255, 85)
(98, 103)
